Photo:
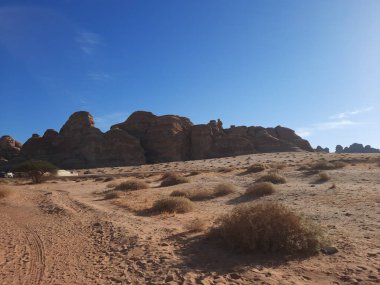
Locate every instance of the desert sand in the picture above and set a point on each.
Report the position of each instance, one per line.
(63, 231)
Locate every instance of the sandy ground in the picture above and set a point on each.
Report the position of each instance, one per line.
(63, 232)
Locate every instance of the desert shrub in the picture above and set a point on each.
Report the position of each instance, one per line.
(108, 179)
(260, 189)
(113, 195)
(167, 174)
(4, 192)
(193, 194)
(272, 177)
(323, 177)
(327, 165)
(223, 189)
(173, 179)
(193, 173)
(132, 184)
(173, 205)
(224, 169)
(254, 168)
(196, 225)
(268, 227)
(35, 169)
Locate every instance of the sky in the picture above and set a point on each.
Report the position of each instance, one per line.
(313, 66)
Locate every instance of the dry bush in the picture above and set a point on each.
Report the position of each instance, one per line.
(254, 168)
(323, 177)
(113, 195)
(223, 189)
(167, 174)
(173, 179)
(108, 179)
(4, 192)
(112, 184)
(132, 184)
(272, 177)
(260, 189)
(278, 165)
(193, 173)
(173, 205)
(193, 194)
(327, 165)
(196, 225)
(224, 169)
(268, 227)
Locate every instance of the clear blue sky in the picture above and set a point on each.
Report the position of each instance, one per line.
(313, 66)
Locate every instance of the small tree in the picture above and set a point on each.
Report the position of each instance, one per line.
(36, 169)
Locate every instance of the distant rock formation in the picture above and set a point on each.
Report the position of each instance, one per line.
(9, 148)
(80, 144)
(147, 138)
(356, 148)
(321, 149)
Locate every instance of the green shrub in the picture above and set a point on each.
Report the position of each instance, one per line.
(36, 169)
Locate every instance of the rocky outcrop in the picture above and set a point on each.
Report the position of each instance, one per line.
(79, 144)
(9, 147)
(212, 140)
(145, 137)
(321, 149)
(356, 148)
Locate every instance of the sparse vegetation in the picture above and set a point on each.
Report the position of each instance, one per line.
(223, 189)
(108, 179)
(36, 169)
(268, 227)
(327, 165)
(196, 225)
(272, 177)
(131, 185)
(173, 179)
(173, 205)
(224, 169)
(260, 189)
(193, 194)
(323, 177)
(113, 195)
(254, 168)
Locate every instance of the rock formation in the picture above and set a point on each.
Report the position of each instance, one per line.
(80, 144)
(321, 149)
(9, 147)
(145, 137)
(356, 148)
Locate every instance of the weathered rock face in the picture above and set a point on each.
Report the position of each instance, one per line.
(80, 144)
(212, 140)
(145, 137)
(9, 147)
(321, 149)
(356, 148)
(164, 138)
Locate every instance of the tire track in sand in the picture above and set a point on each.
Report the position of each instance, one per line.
(37, 257)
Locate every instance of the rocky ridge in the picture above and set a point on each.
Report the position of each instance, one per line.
(148, 138)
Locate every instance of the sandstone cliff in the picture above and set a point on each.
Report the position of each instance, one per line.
(145, 137)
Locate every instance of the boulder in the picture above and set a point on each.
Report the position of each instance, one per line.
(9, 147)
